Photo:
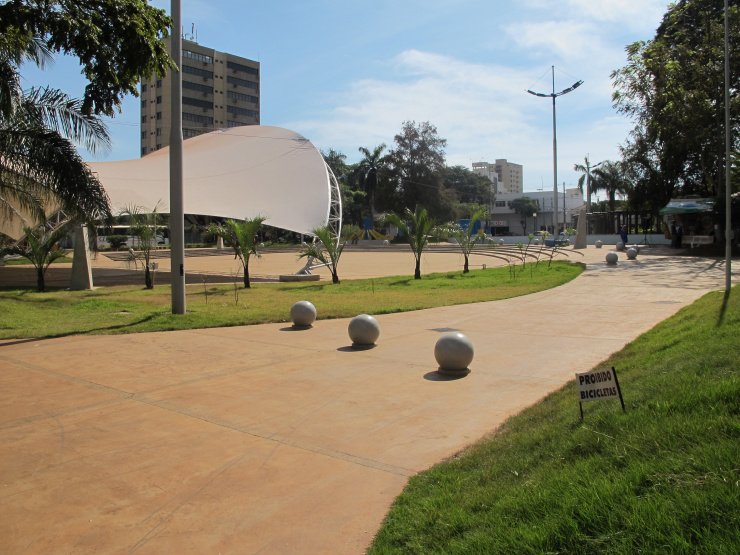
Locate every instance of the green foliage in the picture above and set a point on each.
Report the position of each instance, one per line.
(660, 478)
(610, 177)
(673, 88)
(466, 239)
(118, 42)
(108, 310)
(117, 241)
(327, 248)
(525, 207)
(371, 172)
(145, 226)
(40, 246)
(242, 236)
(417, 227)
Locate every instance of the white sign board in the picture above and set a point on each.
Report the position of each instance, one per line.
(597, 385)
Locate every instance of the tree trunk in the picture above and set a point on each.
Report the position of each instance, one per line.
(417, 269)
(40, 285)
(334, 277)
(466, 268)
(247, 284)
(148, 281)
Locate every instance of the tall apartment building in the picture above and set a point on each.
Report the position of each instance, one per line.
(508, 176)
(218, 90)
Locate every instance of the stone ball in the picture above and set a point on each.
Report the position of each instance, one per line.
(454, 352)
(536, 242)
(599, 244)
(363, 330)
(632, 253)
(386, 242)
(612, 258)
(620, 246)
(303, 314)
(500, 241)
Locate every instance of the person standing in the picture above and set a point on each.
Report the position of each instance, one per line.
(623, 235)
(679, 235)
(673, 234)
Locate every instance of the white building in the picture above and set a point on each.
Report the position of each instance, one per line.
(505, 221)
(506, 176)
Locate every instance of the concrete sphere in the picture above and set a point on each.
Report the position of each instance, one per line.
(303, 314)
(632, 253)
(363, 330)
(386, 242)
(612, 258)
(620, 246)
(536, 242)
(454, 352)
(500, 241)
(599, 244)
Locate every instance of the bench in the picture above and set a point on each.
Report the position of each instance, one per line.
(696, 240)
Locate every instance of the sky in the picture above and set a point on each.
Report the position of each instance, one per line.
(347, 74)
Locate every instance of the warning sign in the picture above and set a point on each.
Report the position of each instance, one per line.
(598, 385)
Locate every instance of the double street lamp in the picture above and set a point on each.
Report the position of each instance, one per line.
(554, 95)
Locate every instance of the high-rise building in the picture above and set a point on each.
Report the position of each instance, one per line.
(508, 176)
(218, 90)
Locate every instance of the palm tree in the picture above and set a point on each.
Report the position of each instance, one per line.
(465, 238)
(417, 227)
(327, 249)
(40, 169)
(525, 207)
(368, 169)
(242, 234)
(145, 226)
(586, 177)
(610, 177)
(40, 246)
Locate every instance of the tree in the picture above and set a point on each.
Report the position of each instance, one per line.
(417, 227)
(525, 207)
(466, 239)
(145, 227)
(417, 165)
(672, 87)
(369, 170)
(585, 169)
(242, 235)
(327, 248)
(610, 177)
(40, 245)
(40, 169)
(118, 42)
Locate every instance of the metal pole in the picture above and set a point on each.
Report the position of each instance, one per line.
(554, 160)
(177, 214)
(728, 188)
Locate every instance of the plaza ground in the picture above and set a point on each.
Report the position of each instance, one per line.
(262, 439)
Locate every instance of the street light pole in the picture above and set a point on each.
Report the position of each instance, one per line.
(177, 212)
(554, 95)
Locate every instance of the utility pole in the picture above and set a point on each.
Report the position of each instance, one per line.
(177, 212)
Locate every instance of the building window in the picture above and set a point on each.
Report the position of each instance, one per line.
(241, 67)
(143, 150)
(143, 119)
(159, 115)
(205, 120)
(188, 132)
(197, 71)
(197, 56)
(197, 87)
(500, 203)
(143, 134)
(241, 111)
(236, 96)
(242, 82)
(197, 102)
(159, 100)
(159, 131)
(143, 87)
(159, 83)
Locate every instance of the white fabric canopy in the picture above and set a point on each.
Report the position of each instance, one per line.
(239, 173)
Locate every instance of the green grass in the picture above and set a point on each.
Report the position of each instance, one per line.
(664, 477)
(25, 313)
(23, 260)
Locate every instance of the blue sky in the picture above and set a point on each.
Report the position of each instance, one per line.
(346, 74)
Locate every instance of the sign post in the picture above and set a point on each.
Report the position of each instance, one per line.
(598, 385)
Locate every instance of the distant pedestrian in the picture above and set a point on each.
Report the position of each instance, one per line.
(623, 235)
(679, 235)
(673, 234)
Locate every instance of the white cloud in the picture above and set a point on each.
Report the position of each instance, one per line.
(482, 110)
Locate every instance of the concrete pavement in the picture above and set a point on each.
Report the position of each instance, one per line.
(262, 439)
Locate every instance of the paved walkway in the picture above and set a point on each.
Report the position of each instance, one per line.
(266, 440)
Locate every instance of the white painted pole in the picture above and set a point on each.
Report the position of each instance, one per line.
(728, 188)
(177, 214)
(554, 162)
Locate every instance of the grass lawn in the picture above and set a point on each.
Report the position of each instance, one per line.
(664, 477)
(25, 313)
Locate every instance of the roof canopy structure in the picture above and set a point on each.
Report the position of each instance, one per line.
(239, 173)
(687, 206)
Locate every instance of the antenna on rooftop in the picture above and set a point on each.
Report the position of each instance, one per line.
(193, 35)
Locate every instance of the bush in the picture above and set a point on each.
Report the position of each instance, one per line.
(117, 241)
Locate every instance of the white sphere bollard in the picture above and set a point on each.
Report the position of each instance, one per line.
(631, 253)
(386, 242)
(599, 243)
(454, 353)
(620, 246)
(500, 241)
(612, 258)
(536, 242)
(363, 330)
(303, 314)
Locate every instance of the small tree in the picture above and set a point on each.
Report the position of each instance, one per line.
(465, 237)
(525, 207)
(242, 235)
(41, 247)
(327, 248)
(145, 226)
(417, 228)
